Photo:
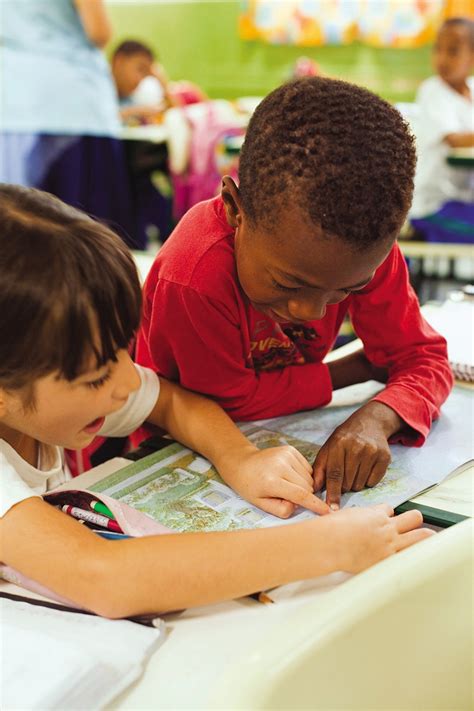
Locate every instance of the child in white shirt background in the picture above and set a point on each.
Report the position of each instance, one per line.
(443, 204)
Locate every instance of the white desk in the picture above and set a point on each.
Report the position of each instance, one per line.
(412, 248)
(153, 133)
(144, 261)
(208, 643)
(205, 643)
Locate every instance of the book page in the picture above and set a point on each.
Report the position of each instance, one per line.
(455, 494)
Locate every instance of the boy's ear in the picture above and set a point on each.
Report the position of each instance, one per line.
(231, 197)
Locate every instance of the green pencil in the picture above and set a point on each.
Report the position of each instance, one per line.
(102, 508)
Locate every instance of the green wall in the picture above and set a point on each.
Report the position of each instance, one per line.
(199, 41)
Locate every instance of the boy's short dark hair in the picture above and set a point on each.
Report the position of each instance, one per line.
(69, 289)
(130, 47)
(464, 22)
(340, 153)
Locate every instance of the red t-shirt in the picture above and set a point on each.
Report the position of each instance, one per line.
(199, 329)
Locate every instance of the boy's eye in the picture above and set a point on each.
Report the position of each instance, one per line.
(282, 287)
(96, 384)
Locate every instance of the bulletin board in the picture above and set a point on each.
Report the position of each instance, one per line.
(313, 23)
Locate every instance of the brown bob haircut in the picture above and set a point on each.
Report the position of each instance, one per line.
(69, 289)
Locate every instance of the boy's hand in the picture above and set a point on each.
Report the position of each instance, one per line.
(357, 454)
(276, 480)
(364, 536)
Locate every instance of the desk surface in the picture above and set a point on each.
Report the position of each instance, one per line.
(205, 642)
(412, 248)
(461, 158)
(153, 133)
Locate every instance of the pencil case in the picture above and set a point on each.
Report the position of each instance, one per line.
(132, 522)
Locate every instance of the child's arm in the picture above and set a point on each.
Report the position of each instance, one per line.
(95, 20)
(354, 368)
(175, 571)
(276, 479)
(159, 73)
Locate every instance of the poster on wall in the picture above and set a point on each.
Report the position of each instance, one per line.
(314, 23)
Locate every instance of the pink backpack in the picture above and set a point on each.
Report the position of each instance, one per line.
(209, 160)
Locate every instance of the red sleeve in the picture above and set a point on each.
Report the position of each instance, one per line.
(386, 316)
(190, 338)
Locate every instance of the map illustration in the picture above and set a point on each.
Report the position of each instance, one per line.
(182, 490)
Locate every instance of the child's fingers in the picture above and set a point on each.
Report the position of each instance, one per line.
(303, 462)
(290, 457)
(319, 470)
(302, 497)
(378, 471)
(300, 479)
(276, 507)
(384, 508)
(408, 521)
(411, 537)
(334, 477)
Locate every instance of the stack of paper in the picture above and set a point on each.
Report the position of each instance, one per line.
(62, 660)
(455, 321)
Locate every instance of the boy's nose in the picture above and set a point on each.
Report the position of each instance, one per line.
(307, 310)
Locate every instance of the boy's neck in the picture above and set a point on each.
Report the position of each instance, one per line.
(24, 445)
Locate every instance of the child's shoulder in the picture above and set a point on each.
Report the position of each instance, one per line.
(200, 251)
(21, 480)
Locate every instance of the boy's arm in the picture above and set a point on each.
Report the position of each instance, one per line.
(158, 71)
(276, 479)
(386, 316)
(175, 571)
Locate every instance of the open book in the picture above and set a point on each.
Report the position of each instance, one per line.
(183, 491)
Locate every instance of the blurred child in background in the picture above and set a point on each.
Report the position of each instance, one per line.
(142, 85)
(443, 205)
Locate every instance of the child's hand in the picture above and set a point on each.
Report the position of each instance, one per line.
(276, 480)
(357, 454)
(364, 536)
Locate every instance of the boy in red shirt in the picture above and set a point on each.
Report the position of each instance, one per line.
(247, 296)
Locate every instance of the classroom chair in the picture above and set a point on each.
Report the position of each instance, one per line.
(398, 636)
